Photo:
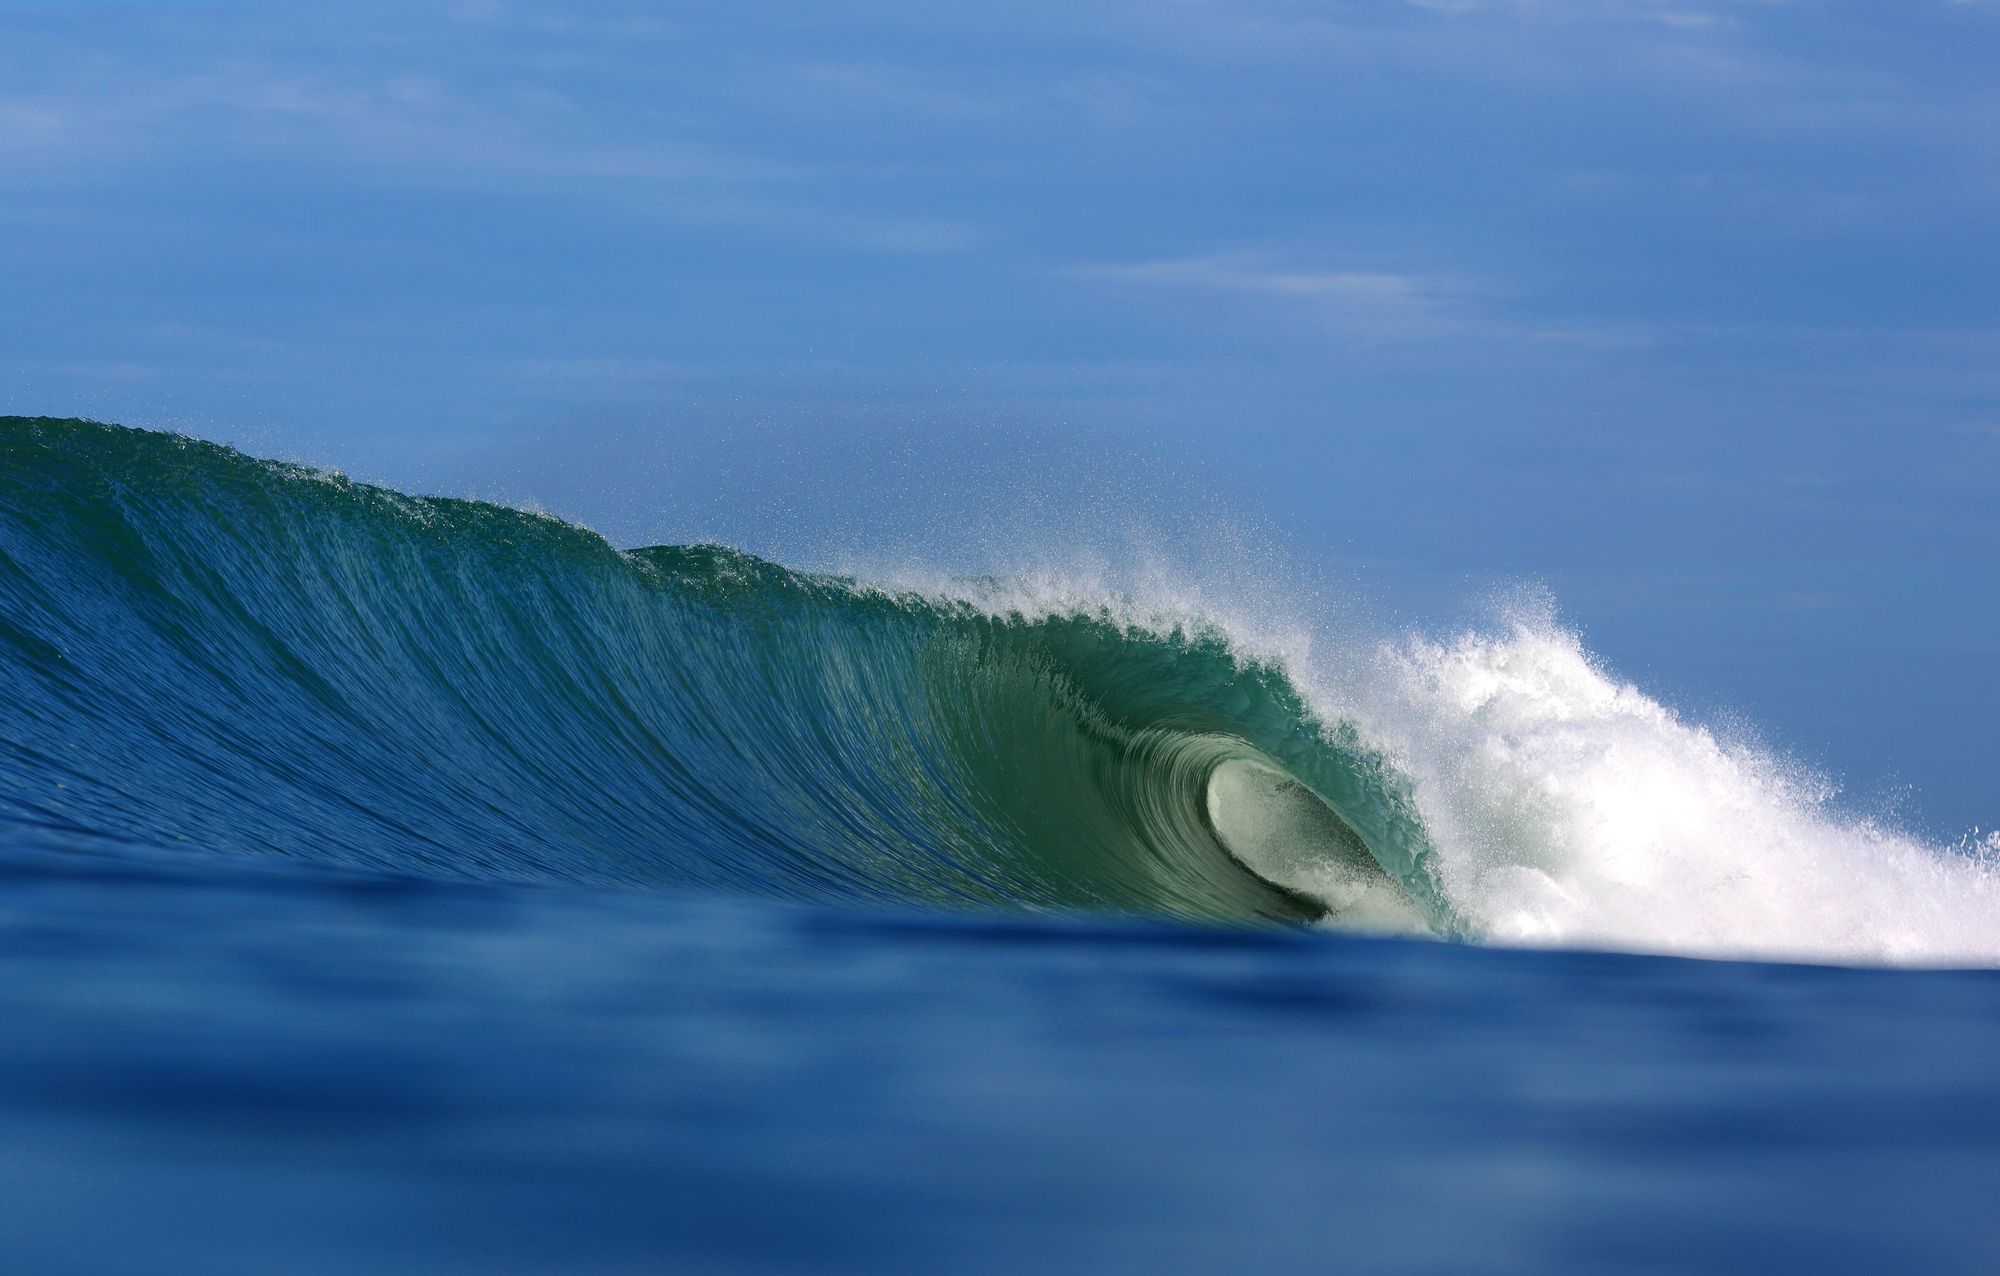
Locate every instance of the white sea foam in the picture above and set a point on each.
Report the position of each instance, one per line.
(1567, 807)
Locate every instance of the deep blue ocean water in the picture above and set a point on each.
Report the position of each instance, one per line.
(400, 885)
(209, 1067)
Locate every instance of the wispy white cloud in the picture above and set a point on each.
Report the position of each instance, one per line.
(1242, 272)
(111, 370)
(603, 371)
(416, 126)
(1370, 304)
(1374, 304)
(429, 131)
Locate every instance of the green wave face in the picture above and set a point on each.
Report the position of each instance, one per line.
(198, 647)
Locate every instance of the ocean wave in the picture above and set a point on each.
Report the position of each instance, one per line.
(202, 649)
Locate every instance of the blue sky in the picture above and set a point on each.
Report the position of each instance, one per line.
(1689, 311)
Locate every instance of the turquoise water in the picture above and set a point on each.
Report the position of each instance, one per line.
(224, 652)
(411, 884)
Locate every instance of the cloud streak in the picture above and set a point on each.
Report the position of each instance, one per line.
(1371, 303)
(518, 133)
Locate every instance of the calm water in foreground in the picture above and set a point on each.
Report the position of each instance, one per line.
(212, 1066)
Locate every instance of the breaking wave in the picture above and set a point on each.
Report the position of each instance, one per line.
(202, 649)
